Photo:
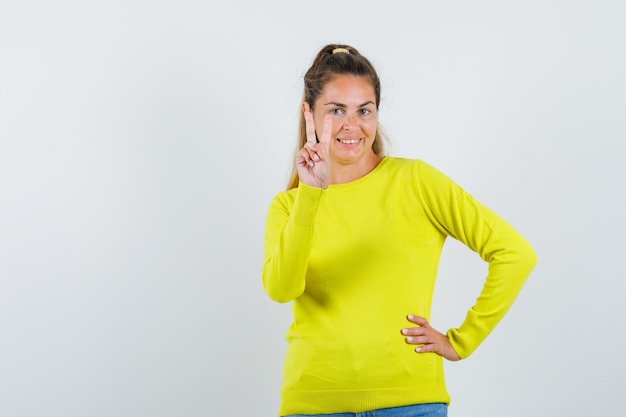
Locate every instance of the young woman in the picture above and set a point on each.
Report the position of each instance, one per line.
(354, 244)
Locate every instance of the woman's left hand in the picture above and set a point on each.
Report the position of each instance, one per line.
(430, 339)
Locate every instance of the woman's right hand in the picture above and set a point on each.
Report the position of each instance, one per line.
(312, 161)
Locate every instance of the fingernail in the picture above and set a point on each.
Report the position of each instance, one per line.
(311, 163)
(410, 316)
(409, 339)
(419, 349)
(405, 331)
(315, 157)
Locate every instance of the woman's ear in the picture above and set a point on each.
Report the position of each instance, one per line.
(306, 107)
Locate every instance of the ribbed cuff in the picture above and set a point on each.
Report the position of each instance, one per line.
(306, 203)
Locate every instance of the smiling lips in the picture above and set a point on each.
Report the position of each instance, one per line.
(348, 141)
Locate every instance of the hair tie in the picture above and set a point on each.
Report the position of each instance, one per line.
(340, 51)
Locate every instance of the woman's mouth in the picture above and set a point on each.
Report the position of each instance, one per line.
(348, 141)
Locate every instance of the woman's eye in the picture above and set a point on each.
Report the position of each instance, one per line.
(365, 111)
(336, 111)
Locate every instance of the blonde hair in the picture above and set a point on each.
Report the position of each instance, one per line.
(333, 60)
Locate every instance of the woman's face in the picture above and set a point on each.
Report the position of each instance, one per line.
(351, 102)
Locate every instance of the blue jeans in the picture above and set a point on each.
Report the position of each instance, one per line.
(419, 410)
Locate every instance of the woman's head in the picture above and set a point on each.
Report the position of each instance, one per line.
(332, 61)
(335, 60)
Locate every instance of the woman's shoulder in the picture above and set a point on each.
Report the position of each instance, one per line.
(417, 171)
(286, 196)
(403, 163)
(410, 163)
(285, 199)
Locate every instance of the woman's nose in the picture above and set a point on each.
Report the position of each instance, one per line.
(349, 122)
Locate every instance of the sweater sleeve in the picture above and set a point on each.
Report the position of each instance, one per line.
(510, 256)
(288, 241)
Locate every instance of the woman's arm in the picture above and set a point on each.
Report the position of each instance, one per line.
(510, 256)
(288, 242)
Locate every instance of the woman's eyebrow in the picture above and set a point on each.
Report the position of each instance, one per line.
(334, 103)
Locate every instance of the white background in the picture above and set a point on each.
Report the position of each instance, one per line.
(142, 141)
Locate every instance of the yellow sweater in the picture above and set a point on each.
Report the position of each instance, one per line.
(355, 259)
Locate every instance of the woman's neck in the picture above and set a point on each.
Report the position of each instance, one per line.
(341, 173)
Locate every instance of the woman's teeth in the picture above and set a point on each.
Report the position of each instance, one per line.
(349, 141)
